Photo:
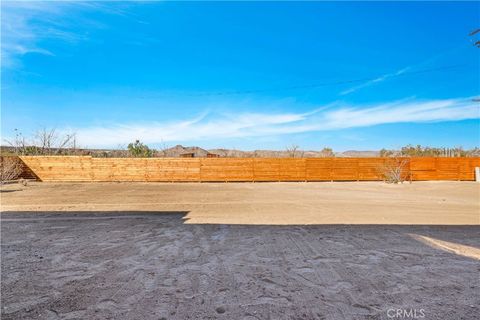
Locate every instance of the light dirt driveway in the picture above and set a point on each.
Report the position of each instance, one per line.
(438, 203)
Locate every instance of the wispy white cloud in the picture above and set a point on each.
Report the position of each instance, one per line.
(27, 24)
(24, 25)
(412, 69)
(374, 81)
(213, 126)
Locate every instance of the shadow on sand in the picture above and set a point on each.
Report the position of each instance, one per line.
(151, 264)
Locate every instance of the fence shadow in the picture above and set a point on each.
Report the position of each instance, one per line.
(51, 216)
(95, 264)
(439, 237)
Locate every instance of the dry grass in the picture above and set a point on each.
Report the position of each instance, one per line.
(10, 169)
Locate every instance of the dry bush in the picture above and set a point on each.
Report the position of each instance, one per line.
(44, 142)
(294, 151)
(394, 170)
(10, 169)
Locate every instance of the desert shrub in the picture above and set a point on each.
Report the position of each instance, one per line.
(475, 152)
(384, 153)
(327, 152)
(394, 170)
(10, 169)
(419, 151)
(140, 150)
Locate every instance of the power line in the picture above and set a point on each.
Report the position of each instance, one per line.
(324, 84)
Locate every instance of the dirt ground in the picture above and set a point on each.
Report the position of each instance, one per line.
(439, 203)
(241, 251)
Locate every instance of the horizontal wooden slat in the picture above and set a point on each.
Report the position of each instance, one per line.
(85, 168)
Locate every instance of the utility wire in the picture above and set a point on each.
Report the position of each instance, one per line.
(323, 84)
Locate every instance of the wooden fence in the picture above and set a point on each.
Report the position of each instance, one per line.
(75, 168)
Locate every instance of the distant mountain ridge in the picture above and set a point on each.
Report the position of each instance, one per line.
(179, 150)
(198, 152)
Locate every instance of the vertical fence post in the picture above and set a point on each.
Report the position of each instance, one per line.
(305, 169)
(410, 169)
(332, 164)
(358, 170)
(91, 166)
(253, 169)
(459, 165)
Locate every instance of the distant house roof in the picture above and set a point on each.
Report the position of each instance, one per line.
(213, 155)
(188, 155)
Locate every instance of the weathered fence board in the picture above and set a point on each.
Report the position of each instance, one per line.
(73, 168)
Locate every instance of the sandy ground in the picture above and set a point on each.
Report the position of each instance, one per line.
(240, 251)
(439, 203)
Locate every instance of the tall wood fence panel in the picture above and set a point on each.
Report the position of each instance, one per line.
(172, 169)
(64, 168)
(75, 168)
(226, 169)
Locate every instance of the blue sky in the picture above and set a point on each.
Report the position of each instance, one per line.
(248, 75)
